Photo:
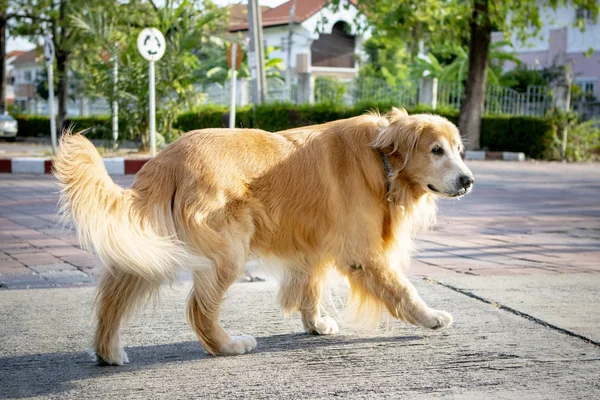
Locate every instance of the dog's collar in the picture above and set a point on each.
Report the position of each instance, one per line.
(388, 172)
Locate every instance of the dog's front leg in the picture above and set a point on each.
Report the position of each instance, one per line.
(379, 280)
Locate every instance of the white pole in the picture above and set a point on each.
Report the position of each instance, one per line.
(115, 104)
(152, 109)
(51, 106)
(233, 84)
(288, 76)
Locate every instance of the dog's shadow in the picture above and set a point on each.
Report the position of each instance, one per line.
(53, 373)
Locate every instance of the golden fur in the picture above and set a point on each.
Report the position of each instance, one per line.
(310, 198)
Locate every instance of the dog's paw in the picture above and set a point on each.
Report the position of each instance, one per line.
(238, 345)
(116, 357)
(438, 319)
(323, 326)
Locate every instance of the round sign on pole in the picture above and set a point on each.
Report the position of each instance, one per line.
(48, 50)
(151, 44)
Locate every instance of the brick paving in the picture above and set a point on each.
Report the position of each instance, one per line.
(521, 219)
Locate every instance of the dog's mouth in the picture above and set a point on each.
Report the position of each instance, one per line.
(459, 193)
(432, 188)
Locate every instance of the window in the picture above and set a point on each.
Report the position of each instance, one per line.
(27, 77)
(584, 14)
(335, 49)
(588, 89)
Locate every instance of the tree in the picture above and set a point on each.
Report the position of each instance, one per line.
(455, 22)
(186, 26)
(52, 18)
(220, 71)
(8, 14)
(387, 58)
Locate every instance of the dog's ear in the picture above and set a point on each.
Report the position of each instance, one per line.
(400, 138)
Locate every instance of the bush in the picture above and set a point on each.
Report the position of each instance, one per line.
(39, 126)
(534, 136)
(583, 141)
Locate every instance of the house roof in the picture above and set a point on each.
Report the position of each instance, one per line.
(27, 57)
(14, 53)
(238, 13)
(280, 15)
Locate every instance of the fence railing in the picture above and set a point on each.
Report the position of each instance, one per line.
(535, 101)
(498, 100)
(328, 90)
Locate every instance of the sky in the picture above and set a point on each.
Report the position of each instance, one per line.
(23, 44)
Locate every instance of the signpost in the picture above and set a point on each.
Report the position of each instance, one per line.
(234, 60)
(49, 56)
(151, 45)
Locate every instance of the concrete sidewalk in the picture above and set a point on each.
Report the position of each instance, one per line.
(487, 353)
(521, 219)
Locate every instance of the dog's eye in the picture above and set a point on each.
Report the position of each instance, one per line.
(438, 151)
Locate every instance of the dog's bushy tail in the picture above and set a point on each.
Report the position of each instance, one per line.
(106, 221)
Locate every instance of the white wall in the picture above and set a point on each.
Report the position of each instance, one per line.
(306, 32)
(564, 16)
(301, 42)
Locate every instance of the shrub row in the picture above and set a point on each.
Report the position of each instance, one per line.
(532, 135)
(39, 126)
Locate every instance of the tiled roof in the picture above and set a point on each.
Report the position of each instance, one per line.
(238, 13)
(280, 15)
(27, 57)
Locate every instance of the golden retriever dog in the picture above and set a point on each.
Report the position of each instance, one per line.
(347, 195)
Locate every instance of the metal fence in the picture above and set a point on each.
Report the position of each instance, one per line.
(361, 90)
(277, 91)
(500, 100)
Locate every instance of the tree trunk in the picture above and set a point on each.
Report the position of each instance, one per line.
(472, 106)
(62, 67)
(3, 62)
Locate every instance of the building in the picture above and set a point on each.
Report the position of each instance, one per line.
(561, 42)
(10, 89)
(324, 42)
(27, 69)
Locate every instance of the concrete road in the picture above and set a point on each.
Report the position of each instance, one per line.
(517, 263)
(487, 353)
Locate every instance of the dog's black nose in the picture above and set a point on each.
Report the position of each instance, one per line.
(465, 181)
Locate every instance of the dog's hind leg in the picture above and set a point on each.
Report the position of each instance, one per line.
(377, 280)
(301, 291)
(207, 295)
(118, 295)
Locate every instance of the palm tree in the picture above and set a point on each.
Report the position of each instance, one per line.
(456, 71)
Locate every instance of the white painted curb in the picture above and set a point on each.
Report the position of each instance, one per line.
(115, 166)
(511, 156)
(28, 165)
(474, 155)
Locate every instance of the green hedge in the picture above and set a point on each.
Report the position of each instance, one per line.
(39, 126)
(532, 135)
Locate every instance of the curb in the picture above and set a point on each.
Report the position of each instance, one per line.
(494, 155)
(40, 166)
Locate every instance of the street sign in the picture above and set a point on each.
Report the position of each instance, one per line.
(151, 44)
(48, 50)
(239, 55)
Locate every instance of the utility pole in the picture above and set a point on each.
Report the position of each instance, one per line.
(288, 77)
(256, 53)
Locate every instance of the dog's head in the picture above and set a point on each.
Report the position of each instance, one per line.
(425, 150)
